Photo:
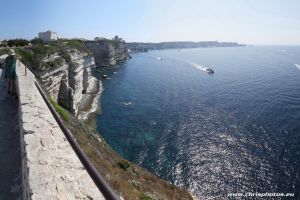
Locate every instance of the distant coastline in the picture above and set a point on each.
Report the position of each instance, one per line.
(144, 47)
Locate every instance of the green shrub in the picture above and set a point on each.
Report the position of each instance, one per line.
(40, 49)
(145, 197)
(26, 55)
(124, 164)
(17, 42)
(55, 63)
(77, 44)
(3, 44)
(4, 51)
(65, 115)
(67, 57)
(37, 41)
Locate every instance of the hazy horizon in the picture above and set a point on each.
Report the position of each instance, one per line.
(269, 22)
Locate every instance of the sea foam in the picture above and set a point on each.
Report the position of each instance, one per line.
(198, 66)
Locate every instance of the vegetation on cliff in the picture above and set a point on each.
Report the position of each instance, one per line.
(33, 55)
(64, 114)
(17, 43)
(4, 51)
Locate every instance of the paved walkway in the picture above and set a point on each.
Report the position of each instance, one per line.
(10, 158)
(54, 170)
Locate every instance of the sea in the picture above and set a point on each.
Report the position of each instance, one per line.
(234, 131)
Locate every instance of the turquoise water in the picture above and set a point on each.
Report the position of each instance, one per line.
(237, 130)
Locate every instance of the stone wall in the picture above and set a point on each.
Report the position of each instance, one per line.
(50, 167)
(108, 52)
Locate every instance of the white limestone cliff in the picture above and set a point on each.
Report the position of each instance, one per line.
(68, 83)
(108, 52)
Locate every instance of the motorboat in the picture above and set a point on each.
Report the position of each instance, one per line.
(210, 70)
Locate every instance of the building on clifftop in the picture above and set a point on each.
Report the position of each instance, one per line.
(99, 38)
(117, 38)
(48, 36)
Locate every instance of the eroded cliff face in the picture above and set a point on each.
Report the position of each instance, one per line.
(108, 52)
(66, 74)
(70, 81)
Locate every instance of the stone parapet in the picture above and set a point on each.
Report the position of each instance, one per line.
(50, 167)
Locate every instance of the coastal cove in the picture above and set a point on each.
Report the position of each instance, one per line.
(150, 100)
(233, 131)
(63, 69)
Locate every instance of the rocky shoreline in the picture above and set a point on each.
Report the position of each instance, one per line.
(90, 100)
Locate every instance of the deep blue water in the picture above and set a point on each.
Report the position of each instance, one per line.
(237, 130)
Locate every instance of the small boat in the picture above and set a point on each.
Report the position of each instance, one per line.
(210, 70)
(104, 76)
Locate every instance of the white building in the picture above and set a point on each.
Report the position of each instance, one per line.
(48, 36)
(117, 38)
(99, 38)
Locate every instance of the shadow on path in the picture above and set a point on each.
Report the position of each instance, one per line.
(10, 156)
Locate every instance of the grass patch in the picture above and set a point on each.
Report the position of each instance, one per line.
(145, 197)
(67, 57)
(55, 63)
(65, 115)
(47, 49)
(27, 57)
(124, 164)
(77, 44)
(4, 51)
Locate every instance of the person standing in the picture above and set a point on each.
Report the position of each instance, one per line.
(10, 72)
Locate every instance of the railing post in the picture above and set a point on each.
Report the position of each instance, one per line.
(19, 61)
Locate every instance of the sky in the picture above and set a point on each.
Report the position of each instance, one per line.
(265, 22)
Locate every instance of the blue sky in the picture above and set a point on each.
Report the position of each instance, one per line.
(244, 21)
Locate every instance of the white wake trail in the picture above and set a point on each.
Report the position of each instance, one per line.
(198, 66)
(298, 66)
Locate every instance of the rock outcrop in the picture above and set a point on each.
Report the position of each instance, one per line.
(108, 52)
(69, 82)
(66, 76)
